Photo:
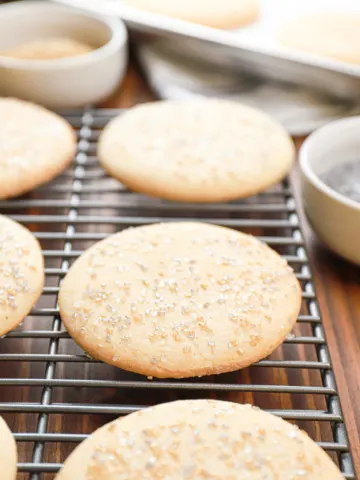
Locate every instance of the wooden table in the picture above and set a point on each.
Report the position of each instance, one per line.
(337, 285)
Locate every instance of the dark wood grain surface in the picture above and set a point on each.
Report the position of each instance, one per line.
(338, 289)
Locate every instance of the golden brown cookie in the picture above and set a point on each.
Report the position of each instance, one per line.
(21, 273)
(48, 49)
(35, 146)
(204, 150)
(334, 35)
(199, 439)
(8, 453)
(179, 300)
(225, 14)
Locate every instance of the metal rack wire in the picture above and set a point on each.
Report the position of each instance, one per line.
(54, 395)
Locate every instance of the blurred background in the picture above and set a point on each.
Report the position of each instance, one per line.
(237, 50)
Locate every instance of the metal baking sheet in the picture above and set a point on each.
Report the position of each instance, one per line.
(253, 49)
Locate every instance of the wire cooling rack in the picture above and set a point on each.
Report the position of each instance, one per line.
(53, 395)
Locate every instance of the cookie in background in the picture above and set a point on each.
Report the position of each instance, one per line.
(224, 14)
(334, 35)
(36, 145)
(203, 150)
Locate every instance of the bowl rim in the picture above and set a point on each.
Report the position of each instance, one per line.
(312, 177)
(118, 39)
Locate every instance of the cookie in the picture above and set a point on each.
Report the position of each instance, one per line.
(204, 150)
(21, 273)
(8, 453)
(327, 34)
(226, 14)
(48, 49)
(199, 439)
(179, 300)
(35, 146)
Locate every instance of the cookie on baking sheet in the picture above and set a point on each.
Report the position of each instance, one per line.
(8, 453)
(199, 439)
(225, 14)
(179, 300)
(35, 146)
(48, 49)
(204, 150)
(327, 34)
(21, 273)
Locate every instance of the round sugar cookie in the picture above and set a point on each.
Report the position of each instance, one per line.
(21, 273)
(225, 14)
(35, 146)
(8, 453)
(179, 300)
(48, 49)
(327, 34)
(199, 439)
(204, 150)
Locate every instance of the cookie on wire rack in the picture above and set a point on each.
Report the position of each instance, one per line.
(8, 453)
(35, 146)
(206, 150)
(179, 300)
(199, 439)
(21, 273)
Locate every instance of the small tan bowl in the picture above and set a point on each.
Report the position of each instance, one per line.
(334, 217)
(65, 82)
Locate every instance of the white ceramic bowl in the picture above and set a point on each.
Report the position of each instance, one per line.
(334, 217)
(65, 82)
